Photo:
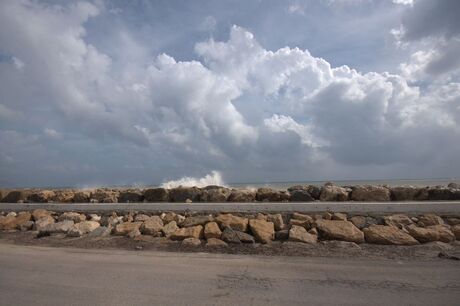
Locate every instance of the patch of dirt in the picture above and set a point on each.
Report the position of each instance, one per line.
(335, 249)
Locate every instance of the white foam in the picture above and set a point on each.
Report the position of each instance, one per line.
(214, 178)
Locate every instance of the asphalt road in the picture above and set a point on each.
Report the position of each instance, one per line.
(59, 276)
(445, 207)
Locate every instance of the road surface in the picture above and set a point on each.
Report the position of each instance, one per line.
(60, 276)
(444, 207)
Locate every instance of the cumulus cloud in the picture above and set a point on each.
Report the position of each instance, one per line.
(249, 112)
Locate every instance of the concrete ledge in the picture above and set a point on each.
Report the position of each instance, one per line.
(444, 207)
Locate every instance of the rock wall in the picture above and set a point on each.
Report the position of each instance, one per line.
(223, 229)
(299, 193)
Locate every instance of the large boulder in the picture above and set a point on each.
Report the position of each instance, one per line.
(339, 230)
(397, 220)
(185, 194)
(215, 194)
(242, 195)
(169, 228)
(81, 197)
(404, 193)
(212, 230)
(231, 236)
(104, 196)
(430, 219)
(441, 193)
(12, 222)
(431, 233)
(300, 234)
(74, 216)
(214, 242)
(262, 230)
(152, 226)
(40, 213)
(14, 196)
(172, 216)
(63, 196)
(82, 228)
(43, 222)
(56, 228)
(312, 190)
(123, 229)
(156, 195)
(333, 193)
(277, 220)
(130, 196)
(456, 230)
(301, 196)
(42, 196)
(370, 193)
(270, 195)
(234, 222)
(196, 220)
(383, 234)
(188, 232)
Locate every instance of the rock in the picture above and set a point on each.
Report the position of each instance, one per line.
(169, 228)
(215, 194)
(12, 214)
(74, 216)
(339, 216)
(327, 216)
(270, 195)
(214, 242)
(56, 228)
(313, 231)
(339, 230)
(370, 193)
(277, 220)
(62, 196)
(303, 223)
(244, 237)
(129, 217)
(40, 213)
(142, 217)
(235, 222)
(15, 222)
(152, 226)
(212, 230)
(282, 235)
(188, 232)
(404, 193)
(362, 222)
(82, 228)
(429, 219)
(14, 196)
(440, 194)
(125, 228)
(156, 195)
(135, 233)
(43, 222)
(263, 231)
(191, 242)
(230, 236)
(333, 193)
(102, 231)
(196, 220)
(81, 197)
(301, 196)
(456, 230)
(94, 217)
(181, 194)
(302, 217)
(397, 220)
(26, 226)
(171, 216)
(312, 190)
(453, 185)
(383, 234)
(453, 221)
(131, 196)
(43, 196)
(431, 233)
(422, 194)
(242, 195)
(300, 234)
(104, 196)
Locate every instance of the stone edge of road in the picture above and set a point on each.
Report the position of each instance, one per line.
(444, 207)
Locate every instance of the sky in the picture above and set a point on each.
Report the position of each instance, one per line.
(144, 92)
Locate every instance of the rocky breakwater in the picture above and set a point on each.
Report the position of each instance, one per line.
(225, 230)
(299, 193)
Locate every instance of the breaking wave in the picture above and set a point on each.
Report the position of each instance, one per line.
(214, 178)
